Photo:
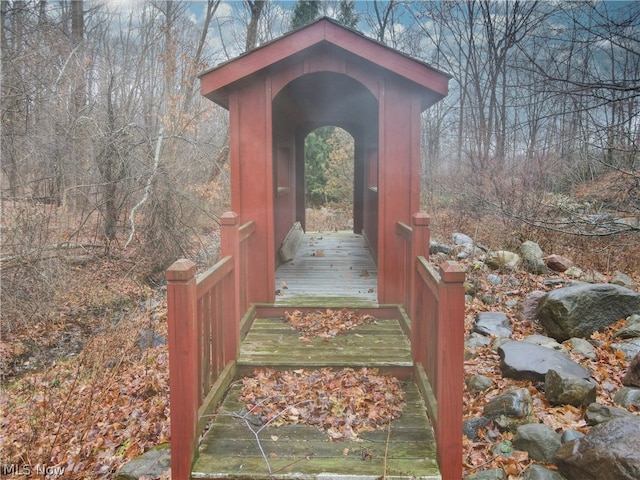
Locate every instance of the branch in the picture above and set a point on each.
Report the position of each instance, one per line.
(147, 187)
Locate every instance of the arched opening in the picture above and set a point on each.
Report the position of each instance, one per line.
(325, 139)
(329, 179)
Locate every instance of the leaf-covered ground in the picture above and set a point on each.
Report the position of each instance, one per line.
(80, 394)
(341, 403)
(493, 450)
(92, 413)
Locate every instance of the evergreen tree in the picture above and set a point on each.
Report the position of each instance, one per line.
(348, 16)
(305, 11)
(316, 157)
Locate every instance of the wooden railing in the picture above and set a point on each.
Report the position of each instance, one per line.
(435, 303)
(204, 316)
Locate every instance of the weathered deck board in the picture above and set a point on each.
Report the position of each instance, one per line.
(335, 267)
(272, 342)
(230, 450)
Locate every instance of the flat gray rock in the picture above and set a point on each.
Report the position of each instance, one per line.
(493, 323)
(528, 361)
(151, 464)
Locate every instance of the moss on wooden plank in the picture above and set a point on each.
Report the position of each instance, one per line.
(407, 450)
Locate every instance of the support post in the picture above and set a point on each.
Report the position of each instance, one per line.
(420, 238)
(230, 246)
(183, 365)
(450, 369)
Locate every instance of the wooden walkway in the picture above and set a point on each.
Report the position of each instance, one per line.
(329, 269)
(406, 450)
(302, 452)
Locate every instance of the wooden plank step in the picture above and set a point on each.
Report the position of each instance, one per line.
(273, 343)
(406, 450)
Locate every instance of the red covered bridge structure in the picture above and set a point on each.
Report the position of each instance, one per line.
(226, 321)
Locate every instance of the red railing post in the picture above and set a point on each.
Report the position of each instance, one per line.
(230, 245)
(183, 365)
(419, 247)
(450, 369)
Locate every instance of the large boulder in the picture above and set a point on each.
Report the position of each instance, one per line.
(580, 310)
(527, 361)
(597, 413)
(538, 472)
(632, 377)
(610, 451)
(503, 259)
(540, 441)
(511, 409)
(532, 257)
(558, 263)
(562, 389)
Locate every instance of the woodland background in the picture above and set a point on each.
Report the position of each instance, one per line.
(113, 166)
(107, 143)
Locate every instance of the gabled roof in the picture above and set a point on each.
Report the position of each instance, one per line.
(215, 82)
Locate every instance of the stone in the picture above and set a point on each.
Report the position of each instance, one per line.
(503, 449)
(471, 250)
(539, 440)
(151, 464)
(623, 280)
(538, 472)
(563, 389)
(556, 282)
(630, 348)
(532, 257)
(573, 272)
(546, 342)
(582, 347)
(494, 279)
(593, 277)
(529, 309)
(489, 299)
(493, 323)
(493, 474)
(631, 328)
(511, 409)
(597, 413)
(528, 361)
(150, 339)
(627, 396)
(558, 263)
(477, 340)
(632, 377)
(471, 427)
(461, 239)
(479, 383)
(499, 259)
(581, 310)
(470, 288)
(610, 451)
(511, 303)
(435, 248)
(569, 435)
